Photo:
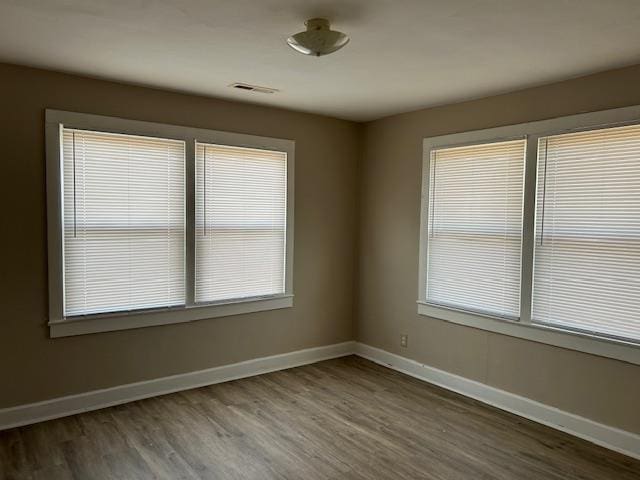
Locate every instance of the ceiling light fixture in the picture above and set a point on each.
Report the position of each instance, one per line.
(319, 39)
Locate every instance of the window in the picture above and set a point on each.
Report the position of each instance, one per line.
(152, 224)
(123, 216)
(241, 210)
(533, 231)
(475, 227)
(587, 252)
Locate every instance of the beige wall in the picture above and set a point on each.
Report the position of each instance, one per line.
(34, 367)
(354, 184)
(604, 390)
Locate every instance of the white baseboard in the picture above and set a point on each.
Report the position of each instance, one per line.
(94, 400)
(609, 437)
(603, 435)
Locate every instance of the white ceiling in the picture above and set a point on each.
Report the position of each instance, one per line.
(404, 54)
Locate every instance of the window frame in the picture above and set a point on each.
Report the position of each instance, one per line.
(620, 349)
(59, 326)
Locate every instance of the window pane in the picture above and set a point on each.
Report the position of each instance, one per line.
(587, 254)
(123, 216)
(241, 203)
(475, 227)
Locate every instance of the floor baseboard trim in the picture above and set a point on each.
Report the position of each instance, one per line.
(70, 405)
(612, 438)
(609, 437)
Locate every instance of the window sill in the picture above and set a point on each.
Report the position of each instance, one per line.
(581, 342)
(149, 318)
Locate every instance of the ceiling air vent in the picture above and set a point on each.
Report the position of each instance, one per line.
(253, 88)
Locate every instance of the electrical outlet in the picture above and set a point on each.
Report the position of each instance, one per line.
(403, 340)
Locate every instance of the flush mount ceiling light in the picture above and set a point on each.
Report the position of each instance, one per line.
(319, 39)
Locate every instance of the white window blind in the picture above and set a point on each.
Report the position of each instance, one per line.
(241, 203)
(123, 217)
(587, 253)
(475, 227)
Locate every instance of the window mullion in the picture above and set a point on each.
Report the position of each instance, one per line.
(190, 220)
(528, 227)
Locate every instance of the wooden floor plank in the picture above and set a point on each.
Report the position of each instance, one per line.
(340, 419)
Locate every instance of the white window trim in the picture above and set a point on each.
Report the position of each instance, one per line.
(627, 351)
(59, 326)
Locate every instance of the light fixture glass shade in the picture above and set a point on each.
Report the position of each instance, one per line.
(318, 39)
